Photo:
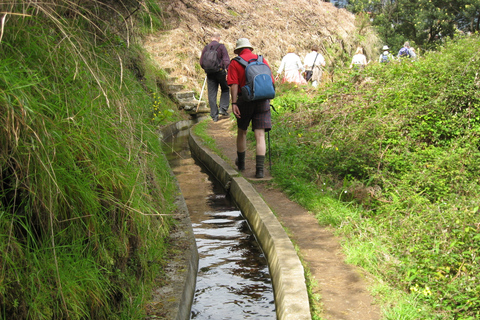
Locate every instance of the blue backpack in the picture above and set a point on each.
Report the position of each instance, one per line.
(385, 58)
(259, 84)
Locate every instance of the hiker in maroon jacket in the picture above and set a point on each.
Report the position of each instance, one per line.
(216, 75)
(258, 112)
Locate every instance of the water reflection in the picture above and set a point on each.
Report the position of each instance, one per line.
(233, 281)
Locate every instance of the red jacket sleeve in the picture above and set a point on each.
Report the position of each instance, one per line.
(236, 73)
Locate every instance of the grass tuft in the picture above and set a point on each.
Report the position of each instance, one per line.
(85, 195)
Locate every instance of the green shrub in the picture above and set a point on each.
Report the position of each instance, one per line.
(401, 141)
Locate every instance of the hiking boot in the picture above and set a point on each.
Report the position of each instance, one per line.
(224, 113)
(240, 161)
(259, 166)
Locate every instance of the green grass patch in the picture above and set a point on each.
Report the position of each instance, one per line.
(200, 129)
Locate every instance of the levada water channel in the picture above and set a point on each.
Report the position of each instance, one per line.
(233, 281)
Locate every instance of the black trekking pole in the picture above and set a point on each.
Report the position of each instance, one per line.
(269, 152)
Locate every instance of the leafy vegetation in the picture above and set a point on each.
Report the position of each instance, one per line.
(399, 145)
(85, 200)
(426, 23)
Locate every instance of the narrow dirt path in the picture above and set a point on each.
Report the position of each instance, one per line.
(342, 287)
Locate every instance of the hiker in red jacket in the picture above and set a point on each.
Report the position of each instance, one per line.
(257, 112)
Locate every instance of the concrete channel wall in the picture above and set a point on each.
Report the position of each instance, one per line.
(176, 298)
(286, 270)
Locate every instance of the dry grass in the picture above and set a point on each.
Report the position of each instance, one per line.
(269, 25)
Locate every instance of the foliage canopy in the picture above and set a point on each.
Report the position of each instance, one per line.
(423, 22)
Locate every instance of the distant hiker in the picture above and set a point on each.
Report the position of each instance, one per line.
(413, 53)
(359, 59)
(313, 64)
(406, 51)
(386, 56)
(215, 61)
(292, 65)
(256, 111)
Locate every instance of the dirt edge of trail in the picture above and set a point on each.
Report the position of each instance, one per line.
(342, 287)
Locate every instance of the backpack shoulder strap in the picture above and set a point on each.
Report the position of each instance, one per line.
(244, 63)
(216, 47)
(241, 61)
(313, 65)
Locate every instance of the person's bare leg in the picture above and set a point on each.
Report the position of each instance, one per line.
(261, 150)
(260, 138)
(241, 140)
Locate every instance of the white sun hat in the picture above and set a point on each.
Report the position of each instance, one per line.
(243, 43)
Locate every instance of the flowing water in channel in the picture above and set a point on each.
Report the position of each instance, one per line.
(233, 280)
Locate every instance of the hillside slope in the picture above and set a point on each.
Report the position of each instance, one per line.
(270, 26)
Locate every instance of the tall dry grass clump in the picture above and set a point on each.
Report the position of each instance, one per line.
(270, 26)
(85, 198)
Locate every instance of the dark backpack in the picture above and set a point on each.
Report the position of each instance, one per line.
(210, 61)
(404, 52)
(259, 84)
(384, 58)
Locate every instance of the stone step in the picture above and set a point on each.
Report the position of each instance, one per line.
(203, 109)
(191, 105)
(185, 95)
(175, 87)
(185, 99)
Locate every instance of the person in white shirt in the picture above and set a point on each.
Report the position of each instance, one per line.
(313, 64)
(293, 67)
(359, 59)
(413, 54)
